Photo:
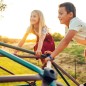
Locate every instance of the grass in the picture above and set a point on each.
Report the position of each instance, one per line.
(71, 55)
(66, 61)
(14, 68)
(18, 69)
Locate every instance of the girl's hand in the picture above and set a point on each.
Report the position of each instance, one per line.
(38, 53)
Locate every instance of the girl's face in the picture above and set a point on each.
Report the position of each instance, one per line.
(34, 19)
(63, 16)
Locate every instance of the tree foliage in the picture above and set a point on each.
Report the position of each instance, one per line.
(2, 5)
(8, 40)
(57, 36)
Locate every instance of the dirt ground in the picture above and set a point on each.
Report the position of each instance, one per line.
(78, 71)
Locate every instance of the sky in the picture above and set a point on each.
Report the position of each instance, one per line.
(15, 19)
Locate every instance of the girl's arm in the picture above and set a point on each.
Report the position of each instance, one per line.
(40, 44)
(63, 44)
(22, 41)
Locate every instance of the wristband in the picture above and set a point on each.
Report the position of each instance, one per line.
(51, 58)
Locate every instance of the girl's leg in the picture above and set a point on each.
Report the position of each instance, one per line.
(43, 61)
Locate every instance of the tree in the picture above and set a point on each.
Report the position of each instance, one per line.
(2, 5)
(57, 36)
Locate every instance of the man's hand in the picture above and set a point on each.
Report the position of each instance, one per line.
(49, 58)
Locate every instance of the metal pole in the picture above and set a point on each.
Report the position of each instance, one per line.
(6, 70)
(18, 48)
(9, 72)
(18, 78)
(69, 76)
(22, 62)
(75, 68)
(24, 56)
(61, 75)
(28, 65)
(49, 64)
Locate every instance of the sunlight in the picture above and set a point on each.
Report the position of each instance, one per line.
(14, 21)
(31, 36)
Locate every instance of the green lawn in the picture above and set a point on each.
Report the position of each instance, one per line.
(66, 59)
(18, 69)
(14, 68)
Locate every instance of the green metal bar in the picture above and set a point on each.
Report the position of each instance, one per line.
(53, 83)
(18, 48)
(22, 62)
(26, 64)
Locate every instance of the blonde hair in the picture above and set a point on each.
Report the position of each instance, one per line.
(41, 23)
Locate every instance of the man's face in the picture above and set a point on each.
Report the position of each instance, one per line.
(63, 16)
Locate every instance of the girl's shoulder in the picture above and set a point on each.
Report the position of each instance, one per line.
(45, 27)
(45, 30)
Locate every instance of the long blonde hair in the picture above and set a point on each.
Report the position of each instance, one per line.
(41, 23)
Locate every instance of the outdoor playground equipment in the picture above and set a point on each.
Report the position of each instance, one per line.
(48, 75)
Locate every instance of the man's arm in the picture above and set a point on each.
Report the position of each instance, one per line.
(64, 43)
